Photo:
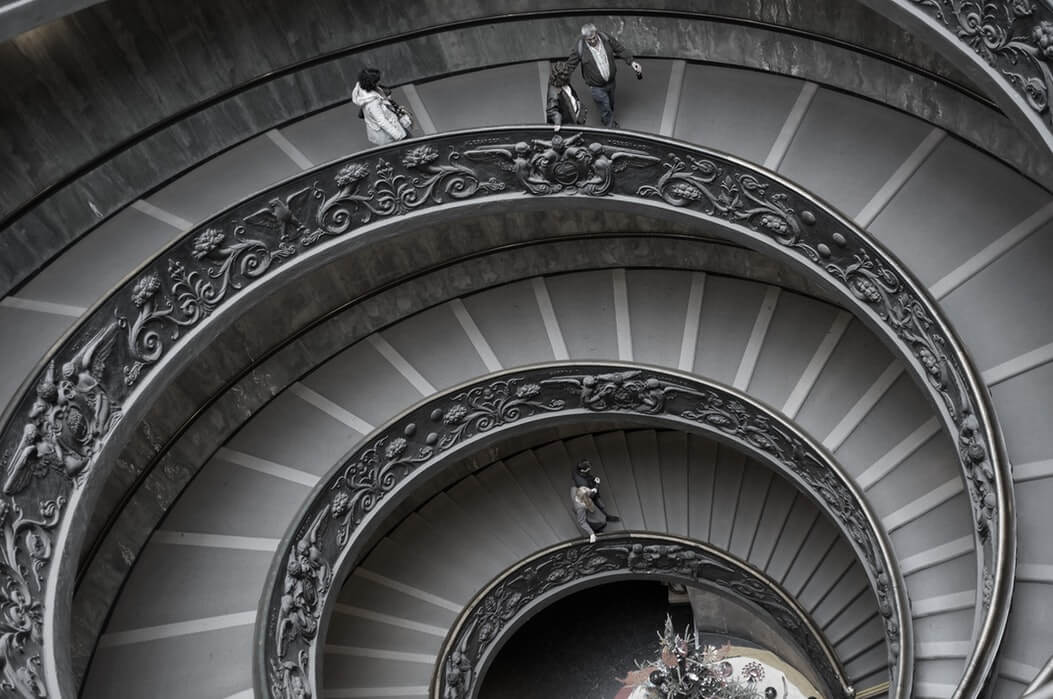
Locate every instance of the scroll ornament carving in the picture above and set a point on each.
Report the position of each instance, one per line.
(390, 193)
(628, 390)
(223, 258)
(743, 198)
(379, 467)
(481, 625)
(47, 451)
(359, 488)
(71, 416)
(27, 548)
(1015, 37)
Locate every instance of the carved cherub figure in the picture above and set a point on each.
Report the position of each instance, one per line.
(518, 158)
(458, 675)
(607, 161)
(69, 418)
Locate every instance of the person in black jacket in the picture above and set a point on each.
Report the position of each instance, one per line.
(562, 105)
(584, 478)
(595, 53)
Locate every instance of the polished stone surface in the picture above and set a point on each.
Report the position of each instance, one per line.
(71, 211)
(160, 481)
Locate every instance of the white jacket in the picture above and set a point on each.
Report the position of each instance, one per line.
(382, 124)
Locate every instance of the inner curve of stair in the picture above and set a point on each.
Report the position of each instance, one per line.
(198, 582)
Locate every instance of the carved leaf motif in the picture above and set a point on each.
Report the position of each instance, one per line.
(1013, 36)
(153, 312)
(481, 626)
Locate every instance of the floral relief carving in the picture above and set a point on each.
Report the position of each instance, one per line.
(419, 441)
(1015, 37)
(61, 425)
(736, 195)
(744, 198)
(481, 625)
(27, 549)
(307, 579)
(423, 181)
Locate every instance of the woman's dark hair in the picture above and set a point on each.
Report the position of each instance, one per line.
(369, 78)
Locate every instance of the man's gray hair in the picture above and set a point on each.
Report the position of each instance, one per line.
(588, 30)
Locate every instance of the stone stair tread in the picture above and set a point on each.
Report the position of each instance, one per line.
(781, 497)
(643, 456)
(756, 481)
(491, 515)
(727, 485)
(672, 448)
(365, 593)
(530, 476)
(394, 559)
(443, 512)
(620, 482)
(701, 478)
(358, 630)
(442, 546)
(500, 483)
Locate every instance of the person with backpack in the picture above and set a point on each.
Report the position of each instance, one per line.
(563, 106)
(385, 122)
(595, 53)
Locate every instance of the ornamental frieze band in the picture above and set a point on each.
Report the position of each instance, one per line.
(311, 565)
(57, 435)
(1015, 37)
(488, 619)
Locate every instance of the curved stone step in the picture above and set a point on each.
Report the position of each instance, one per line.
(976, 232)
(820, 564)
(741, 331)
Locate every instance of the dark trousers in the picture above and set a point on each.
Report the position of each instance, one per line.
(597, 500)
(604, 98)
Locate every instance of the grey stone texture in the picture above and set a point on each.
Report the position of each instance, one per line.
(174, 440)
(177, 107)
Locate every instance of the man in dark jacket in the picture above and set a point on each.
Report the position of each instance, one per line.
(595, 53)
(584, 478)
(562, 105)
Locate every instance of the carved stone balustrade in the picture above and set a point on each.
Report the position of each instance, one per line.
(59, 438)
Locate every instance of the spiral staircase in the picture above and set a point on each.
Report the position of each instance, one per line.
(177, 556)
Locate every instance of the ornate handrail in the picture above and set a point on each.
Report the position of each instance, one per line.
(344, 509)
(1007, 42)
(518, 593)
(57, 441)
(502, 18)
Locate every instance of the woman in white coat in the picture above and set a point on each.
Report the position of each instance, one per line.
(377, 110)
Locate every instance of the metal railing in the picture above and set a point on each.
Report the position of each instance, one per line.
(59, 437)
(518, 593)
(328, 539)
